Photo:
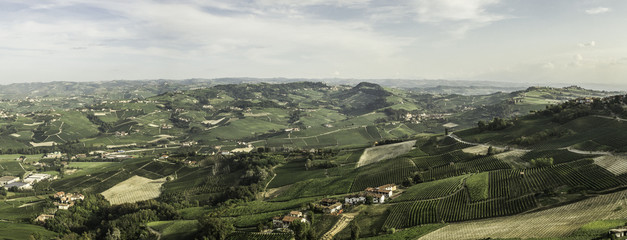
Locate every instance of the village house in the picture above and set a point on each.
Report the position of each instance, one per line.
(389, 187)
(387, 193)
(619, 232)
(120, 133)
(329, 206)
(378, 194)
(355, 199)
(66, 200)
(8, 179)
(53, 155)
(43, 217)
(285, 221)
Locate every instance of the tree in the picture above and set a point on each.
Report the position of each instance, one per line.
(369, 200)
(213, 228)
(490, 151)
(302, 231)
(312, 217)
(355, 230)
(308, 164)
(481, 125)
(542, 162)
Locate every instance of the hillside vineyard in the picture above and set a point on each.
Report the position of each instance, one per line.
(292, 159)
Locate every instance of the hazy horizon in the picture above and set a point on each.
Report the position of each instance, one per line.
(537, 42)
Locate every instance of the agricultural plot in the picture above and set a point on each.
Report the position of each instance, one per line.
(20, 231)
(556, 222)
(559, 156)
(8, 142)
(426, 162)
(292, 172)
(22, 209)
(134, 189)
(479, 150)
(379, 153)
(514, 158)
(431, 190)
(391, 171)
(259, 236)
(454, 208)
(455, 169)
(255, 207)
(316, 187)
(512, 183)
(614, 164)
(176, 229)
(478, 186)
(84, 168)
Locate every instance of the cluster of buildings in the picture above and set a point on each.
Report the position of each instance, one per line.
(27, 183)
(66, 200)
(285, 221)
(329, 206)
(378, 194)
(618, 232)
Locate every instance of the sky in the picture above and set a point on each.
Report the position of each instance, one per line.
(539, 41)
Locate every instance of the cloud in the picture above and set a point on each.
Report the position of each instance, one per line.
(462, 15)
(203, 39)
(587, 44)
(548, 65)
(597, 10)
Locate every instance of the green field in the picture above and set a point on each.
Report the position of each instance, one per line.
(20, 231)
(176, 229)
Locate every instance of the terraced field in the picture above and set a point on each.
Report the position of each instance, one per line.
(134, 189)
(556, 222)
(379, 153)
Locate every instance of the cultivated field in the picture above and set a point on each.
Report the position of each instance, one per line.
(134, 189)
(479, 149)
(379, 153)
(615, 164)
(555, 222)
(513, 158)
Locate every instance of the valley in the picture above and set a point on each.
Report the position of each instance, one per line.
(251, 158)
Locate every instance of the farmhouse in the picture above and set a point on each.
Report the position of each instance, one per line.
(361, 198)
(378, 194)
(53, 155)
(389, 187)
(8, 179)
(66, 200)
(376, 197)
(619, 232)
(328, 205)
(43, 217)
(379, 190)
(354, 199)
(285, 221)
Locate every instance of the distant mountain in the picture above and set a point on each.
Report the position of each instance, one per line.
(126, 89)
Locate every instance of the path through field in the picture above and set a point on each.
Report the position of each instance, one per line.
(570, 149)
(339, 226)
(501, 148)
(556, 222)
